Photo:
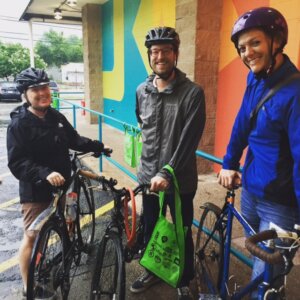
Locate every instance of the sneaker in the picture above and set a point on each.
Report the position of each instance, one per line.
(184, 293)
(146, 280)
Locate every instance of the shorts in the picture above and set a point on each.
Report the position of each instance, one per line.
(31, 210)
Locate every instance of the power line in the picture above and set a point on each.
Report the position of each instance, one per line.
(44, 41)
(74, 27)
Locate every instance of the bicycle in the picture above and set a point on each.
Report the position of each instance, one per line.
(212, 252)
(59, 245)
(122, 242)
(268, 253)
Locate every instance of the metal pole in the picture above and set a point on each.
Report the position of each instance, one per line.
(31, 44)
(100, 139)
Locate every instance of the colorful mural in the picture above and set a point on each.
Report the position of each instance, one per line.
(125, 62)
(232, 72)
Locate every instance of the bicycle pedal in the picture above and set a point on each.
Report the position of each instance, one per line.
(209, 297)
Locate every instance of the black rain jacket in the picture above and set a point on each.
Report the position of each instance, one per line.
(37, 147)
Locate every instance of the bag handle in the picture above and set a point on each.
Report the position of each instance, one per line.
(178, 219)
(271, 93)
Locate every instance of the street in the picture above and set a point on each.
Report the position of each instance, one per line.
(10, 216)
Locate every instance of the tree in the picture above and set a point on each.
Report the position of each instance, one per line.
(14, 58)
(57, 50)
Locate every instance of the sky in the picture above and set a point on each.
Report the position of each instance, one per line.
(14, 31)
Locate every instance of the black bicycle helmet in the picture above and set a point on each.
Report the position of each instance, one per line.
(162, 35)
(268, 19)
(31, 77)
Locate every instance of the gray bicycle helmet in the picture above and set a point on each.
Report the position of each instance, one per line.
(30, 78)
(162, 35)
(270, 20)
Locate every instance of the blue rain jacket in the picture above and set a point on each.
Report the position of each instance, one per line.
(272, 165)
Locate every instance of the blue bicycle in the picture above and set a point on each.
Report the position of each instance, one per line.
(212, 254)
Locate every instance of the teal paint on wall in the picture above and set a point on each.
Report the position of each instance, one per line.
(135, 71)
(107, 36)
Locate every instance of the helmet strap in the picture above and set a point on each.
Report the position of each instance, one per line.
(269, 70)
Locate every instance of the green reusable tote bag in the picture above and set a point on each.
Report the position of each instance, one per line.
(138, 148)
(129, 147)
(165, 253)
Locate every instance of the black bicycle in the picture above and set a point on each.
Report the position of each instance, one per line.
(122, 242)
(59, 245)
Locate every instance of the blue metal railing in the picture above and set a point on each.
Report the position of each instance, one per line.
(101, 117)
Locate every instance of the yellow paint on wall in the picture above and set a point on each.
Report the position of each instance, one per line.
(228, 51)
(152, 13)
(291, 11)
(113, 81)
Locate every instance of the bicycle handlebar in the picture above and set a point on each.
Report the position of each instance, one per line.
(271, 258)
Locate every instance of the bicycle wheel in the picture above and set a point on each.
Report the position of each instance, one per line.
(109, 275)
(48, 274)
(209, 251)
(86, 211)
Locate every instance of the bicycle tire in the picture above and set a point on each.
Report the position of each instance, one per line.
(209, 254)
(47, 270)
(86, 213)
(108, 280)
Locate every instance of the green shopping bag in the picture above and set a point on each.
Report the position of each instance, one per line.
(129, 147)
(138, 147)
(165, 253)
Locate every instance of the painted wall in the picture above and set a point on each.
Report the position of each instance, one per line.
(124, 56)
(233, 73)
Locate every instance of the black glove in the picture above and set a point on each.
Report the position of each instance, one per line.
(105, 151)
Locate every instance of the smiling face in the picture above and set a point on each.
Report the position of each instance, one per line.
(254, 47)
(162, 59)
(39, 97)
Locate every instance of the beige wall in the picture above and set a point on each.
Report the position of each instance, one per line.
(91, 20)
(186, 11)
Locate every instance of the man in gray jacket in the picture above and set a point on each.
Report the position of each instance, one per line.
(171, 111)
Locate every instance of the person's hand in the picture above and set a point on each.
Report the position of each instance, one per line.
(229, 178)
(106, 150)
(55, 179)
(159, 184)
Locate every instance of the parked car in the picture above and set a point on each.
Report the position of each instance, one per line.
(53, 87)
(9, 91)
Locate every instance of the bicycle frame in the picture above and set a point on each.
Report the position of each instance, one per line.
(225, 221)
(71, 237)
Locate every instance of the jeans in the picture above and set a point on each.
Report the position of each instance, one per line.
(151, 212)
(259, 213)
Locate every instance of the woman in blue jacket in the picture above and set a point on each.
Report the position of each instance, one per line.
(271, 174)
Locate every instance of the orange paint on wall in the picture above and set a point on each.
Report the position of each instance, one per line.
(243, 6)
(230, 94)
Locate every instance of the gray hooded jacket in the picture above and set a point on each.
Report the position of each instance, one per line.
(172, 122)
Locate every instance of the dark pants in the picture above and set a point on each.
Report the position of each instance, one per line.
(151, 212)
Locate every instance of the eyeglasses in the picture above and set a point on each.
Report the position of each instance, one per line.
(164, 52)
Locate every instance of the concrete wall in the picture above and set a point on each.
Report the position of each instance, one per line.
(91, 18)
(206, 68)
